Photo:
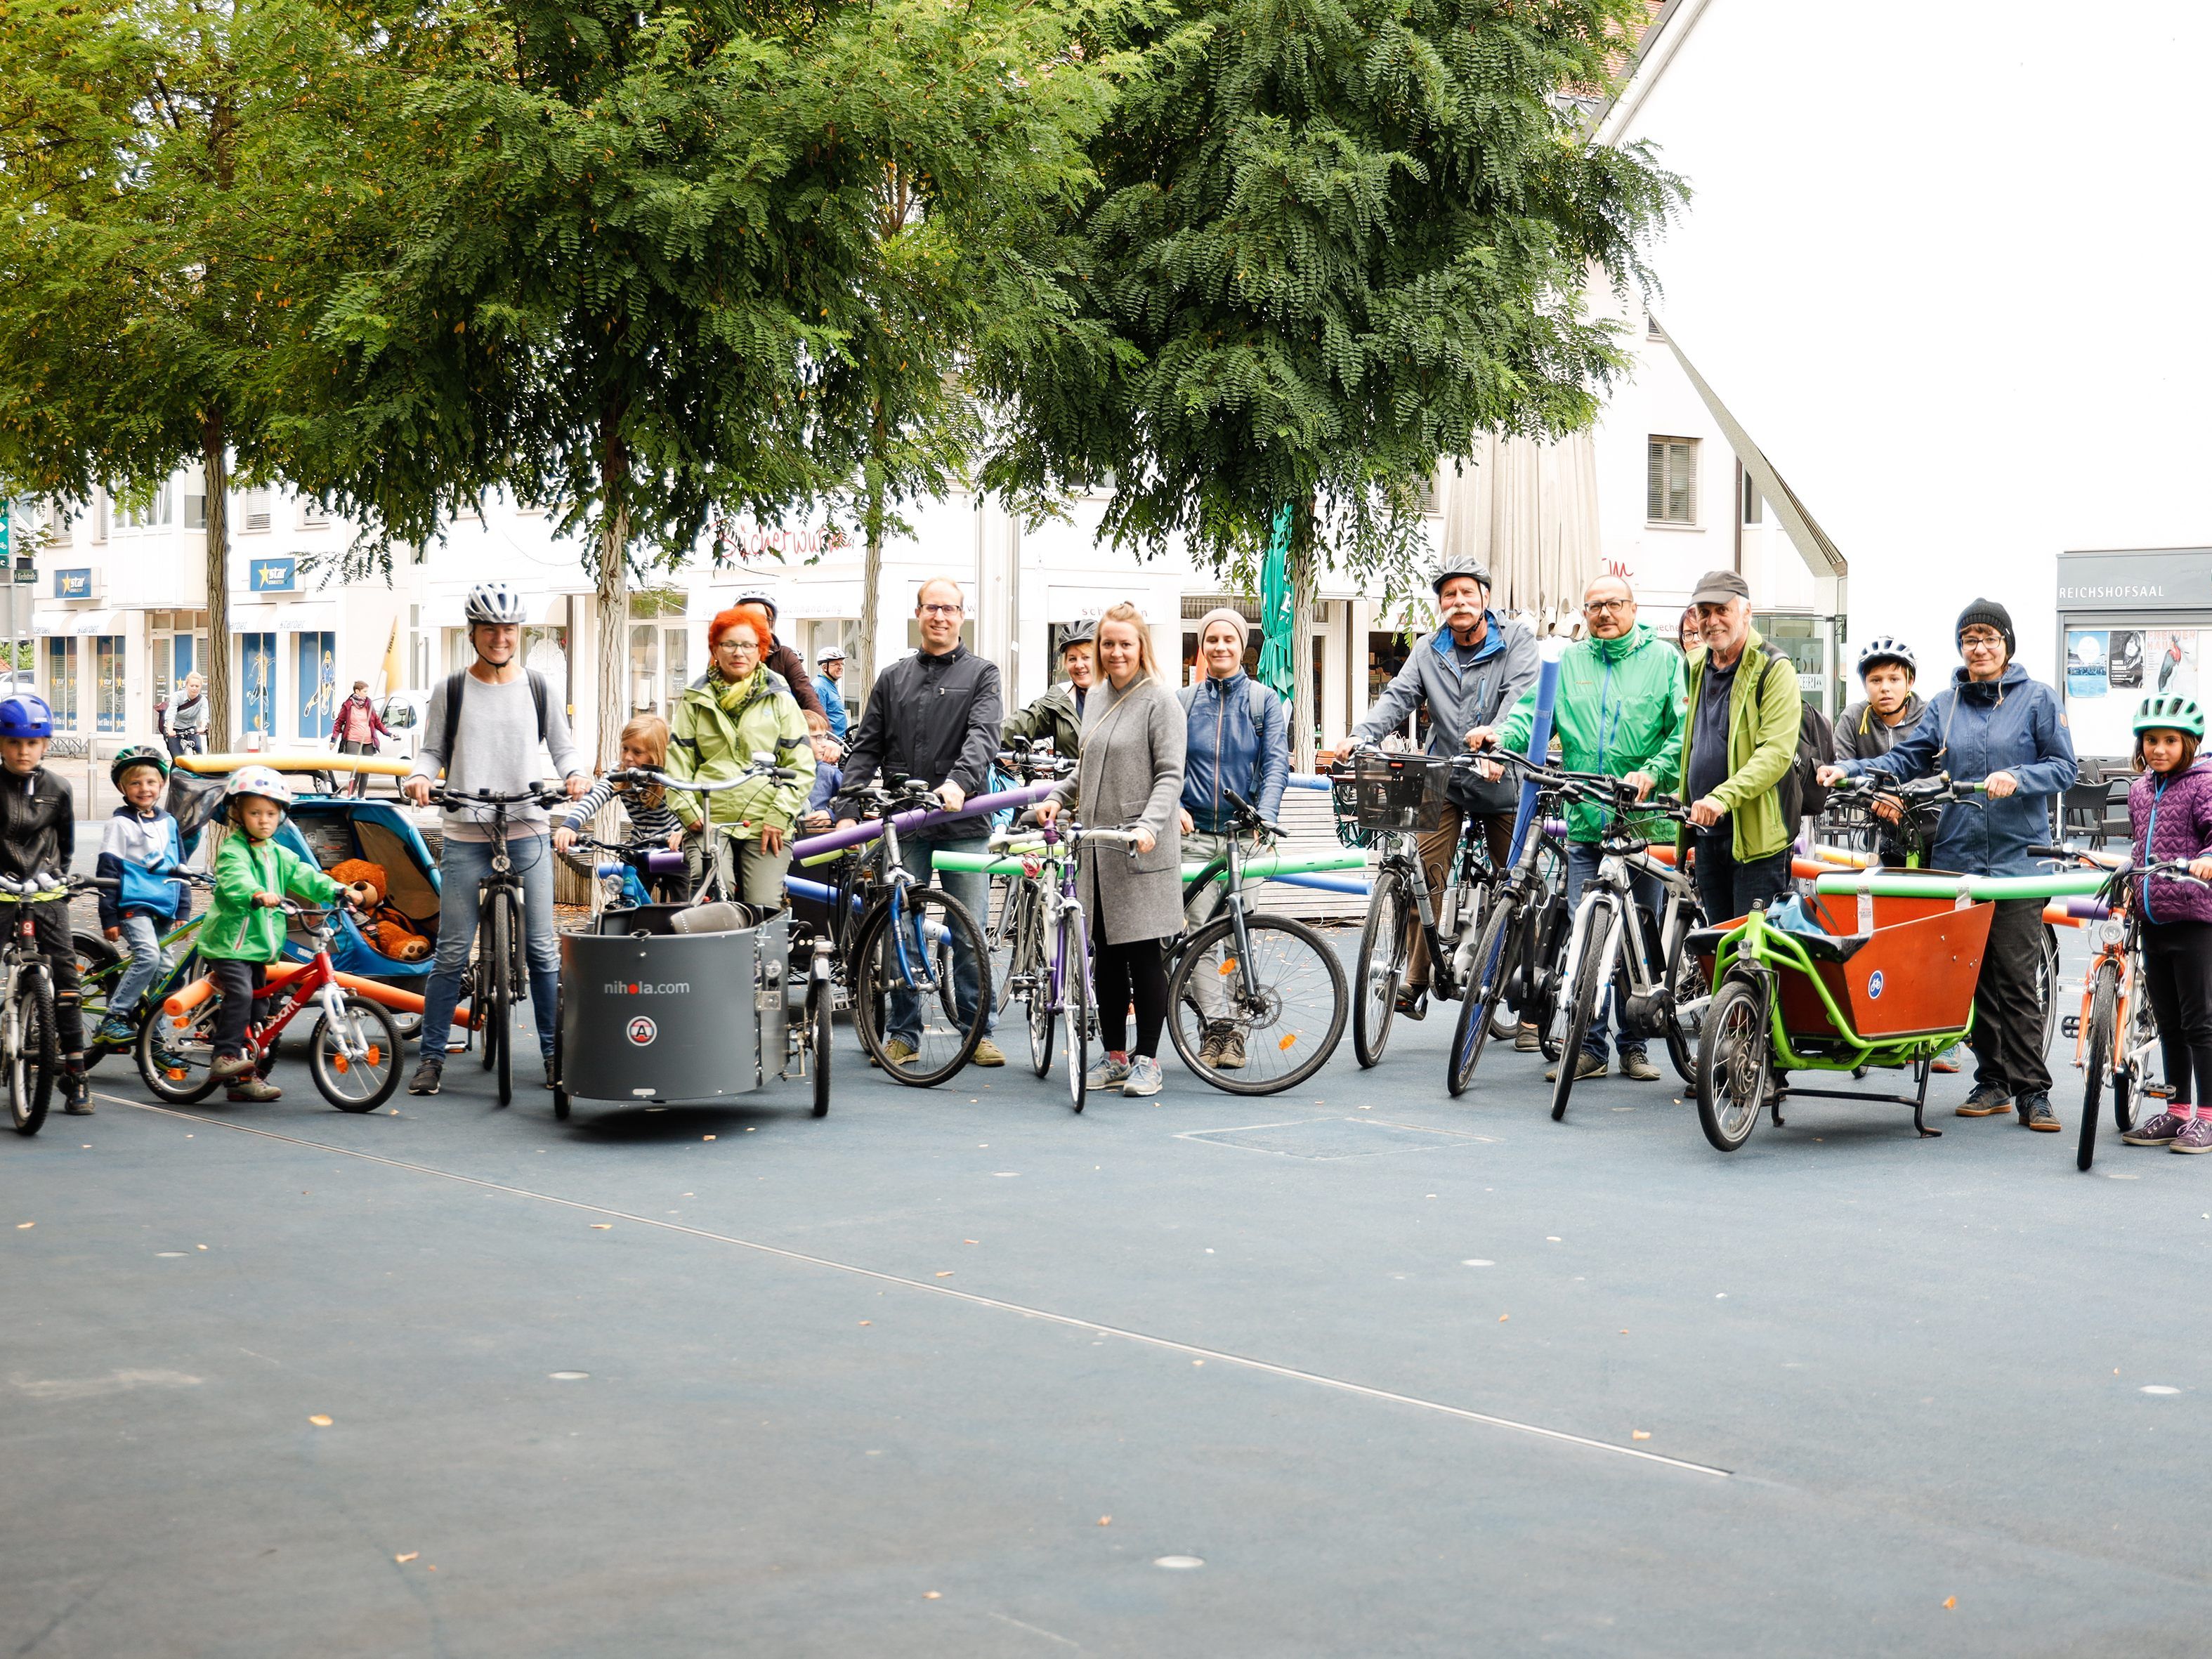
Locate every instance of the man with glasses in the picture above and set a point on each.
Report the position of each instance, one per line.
(1466, 674)
(935, 716)
(1618, 712)
(1993, 724)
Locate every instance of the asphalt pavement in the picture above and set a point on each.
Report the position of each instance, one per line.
(1358, 1371)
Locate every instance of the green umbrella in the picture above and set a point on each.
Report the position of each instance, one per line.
(1276, 666)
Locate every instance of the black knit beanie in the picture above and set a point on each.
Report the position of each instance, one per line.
(1987, 613)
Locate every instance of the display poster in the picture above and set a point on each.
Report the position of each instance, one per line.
(2086, 675)
(2124, 660)
(2110, 671)
(2170, 658)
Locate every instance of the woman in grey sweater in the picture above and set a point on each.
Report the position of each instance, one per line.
(1131, 774)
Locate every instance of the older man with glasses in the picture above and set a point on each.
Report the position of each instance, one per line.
(1619, 712)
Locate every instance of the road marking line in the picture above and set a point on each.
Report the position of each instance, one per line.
(1168, 1343)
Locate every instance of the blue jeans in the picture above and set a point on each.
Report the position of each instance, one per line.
(465, 864)
(1582, 868)
(142, 937)
(972, 890)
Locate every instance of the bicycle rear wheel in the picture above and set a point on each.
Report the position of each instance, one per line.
(1289, 1014)
(1385, 945)
(896, 1000)
(99, 967)
(1075, 1003)
(1043, 1018)
(2103, 1042)
(1497, 954)
(176, 1063)
(356, 1065)
(1591, 974)
(33, 1056)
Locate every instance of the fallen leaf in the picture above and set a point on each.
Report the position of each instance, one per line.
(433, 1566)
(944, 1275)
(1105, 1519)
(706, 1136)
(1950, 1601)
(867, 1322)
(929, 1596)
(403, 1559)
(971, 1241)
(603, 1226)
(750, 1128)
(1501, 1318)
(1639, 1434)
(21, 1225)
(320, 1421)
(199, 1247)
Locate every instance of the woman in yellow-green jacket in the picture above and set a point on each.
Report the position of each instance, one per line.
(741, 708)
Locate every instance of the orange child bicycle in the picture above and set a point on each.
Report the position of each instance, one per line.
(354, 1053)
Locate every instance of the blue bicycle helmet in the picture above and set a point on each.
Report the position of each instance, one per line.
(25, 715)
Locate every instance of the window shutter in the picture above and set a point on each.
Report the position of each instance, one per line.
(1655, 480)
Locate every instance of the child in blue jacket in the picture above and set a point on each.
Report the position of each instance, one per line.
(140, 853)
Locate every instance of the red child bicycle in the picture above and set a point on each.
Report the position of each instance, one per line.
(354, 1053)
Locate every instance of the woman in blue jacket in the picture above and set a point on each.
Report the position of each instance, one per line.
(1994, 726)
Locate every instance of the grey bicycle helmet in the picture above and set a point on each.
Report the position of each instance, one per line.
(1451, 568)
(495, 602)
(1078, 633)
(1883, 648)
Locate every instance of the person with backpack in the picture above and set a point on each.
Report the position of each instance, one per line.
(1743, 728)
(1993, 724)
(1468, 674)
(1873, 725)
(1237, 743)
(482, 729)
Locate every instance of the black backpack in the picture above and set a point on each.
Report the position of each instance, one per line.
(1802, 794)
(457, 685)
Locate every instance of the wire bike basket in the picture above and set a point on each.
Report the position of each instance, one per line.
(1386, 794)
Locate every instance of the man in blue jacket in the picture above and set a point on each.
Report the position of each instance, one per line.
(1994, 726)
(1469, 673)
(1238, 744)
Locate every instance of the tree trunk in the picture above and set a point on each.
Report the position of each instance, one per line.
(214, 462)
(1302, 689)
(861, 673)
(612, 602)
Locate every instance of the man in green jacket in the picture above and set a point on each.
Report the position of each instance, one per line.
(1619, 711)
(1739, 741)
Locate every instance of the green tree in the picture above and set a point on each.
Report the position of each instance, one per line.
(1331, 242)
(165, 227)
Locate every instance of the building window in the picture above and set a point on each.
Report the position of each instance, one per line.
(1671, 492)
(257, 683)
(253, 509)
(314, 517)
(644, 666)
(61, 682)
(107, 682)
(676, 654)
(1754, 509)
(316, 658)
(151, 512)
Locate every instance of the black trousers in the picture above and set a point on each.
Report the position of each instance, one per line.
(2007, 1040)
(1132, 972)
(50, 923)
(237, 981)
(1727, 889)
(2178, 971)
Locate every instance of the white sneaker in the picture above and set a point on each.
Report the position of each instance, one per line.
(1110, 1072)
(1143, 1077)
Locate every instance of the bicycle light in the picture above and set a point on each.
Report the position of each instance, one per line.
(2112, 935)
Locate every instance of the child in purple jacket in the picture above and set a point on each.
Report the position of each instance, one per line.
(2170, 810)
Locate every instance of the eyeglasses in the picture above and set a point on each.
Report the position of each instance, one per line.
(1968, 642)
(1609, 605)
(942, 609)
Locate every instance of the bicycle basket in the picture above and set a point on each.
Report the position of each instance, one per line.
(1393, 791)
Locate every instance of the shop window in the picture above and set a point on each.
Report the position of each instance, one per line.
(257, 684)
(1670, 491)
(676, 654)
(315, 659)
(61, 683)
(644, 666)
(108, 683)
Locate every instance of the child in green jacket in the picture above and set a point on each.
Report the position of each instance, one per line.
(243, 930)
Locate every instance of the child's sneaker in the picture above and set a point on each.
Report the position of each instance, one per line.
(2196, 1137)
(116, 1032)
(2161, 1131)
(76, 1092)
(253, 1088)
(227, 1066)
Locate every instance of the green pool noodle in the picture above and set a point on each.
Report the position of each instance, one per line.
(1909, 884)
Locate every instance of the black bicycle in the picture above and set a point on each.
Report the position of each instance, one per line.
(499, 975)
(30, 1042)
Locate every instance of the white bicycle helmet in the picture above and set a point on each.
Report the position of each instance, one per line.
(759, 596)
(1883, 648)
(495, 602)
(263, 781)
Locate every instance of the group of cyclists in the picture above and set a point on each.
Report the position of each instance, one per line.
(1712, 715)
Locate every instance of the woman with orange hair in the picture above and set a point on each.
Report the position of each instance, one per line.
(739, 709)
(782, 660)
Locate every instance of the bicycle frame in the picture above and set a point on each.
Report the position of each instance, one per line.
(1611, 889)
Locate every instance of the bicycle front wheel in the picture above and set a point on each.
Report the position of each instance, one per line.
(897, 1001)
(1282, 1004)
(1732, 1064)
(1075, 1003)
(1043, 1018)
(34, 1056)
(2103, 1043)
(501, 937)
(1385, 945)
(354, 1059)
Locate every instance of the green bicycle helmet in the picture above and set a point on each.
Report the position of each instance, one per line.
(138, 754)
(2171, 713)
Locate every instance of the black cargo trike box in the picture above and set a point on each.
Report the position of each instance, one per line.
(691, 1005)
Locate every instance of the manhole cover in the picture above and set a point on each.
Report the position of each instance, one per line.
(1333, 1137)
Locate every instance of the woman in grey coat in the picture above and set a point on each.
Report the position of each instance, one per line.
(1131, 774)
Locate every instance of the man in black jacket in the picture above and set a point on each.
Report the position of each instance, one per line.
(935, 716)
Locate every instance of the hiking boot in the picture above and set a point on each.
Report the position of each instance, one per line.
(2196, 1137)
(76, 1092)
(1111, 1071)
(227, 1066)
(1637, 1066)
(1209, 1046)
(989, 1053)
(1143, 1077)
(1231, 1057)
(1588, 1066)
(2035, 1113)
(2161, 1131)
(1525, 1041)
(1986, 1100)
(1413, 1002)
(253, 1089)
(896, 1051)
(116, 1032)
(552, 1075)
(426, 1081)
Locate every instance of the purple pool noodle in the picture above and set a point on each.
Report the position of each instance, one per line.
(835, 841)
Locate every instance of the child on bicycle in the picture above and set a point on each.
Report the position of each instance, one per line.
(243, 930)
(141, 854)
(2170, 810)
(644, 749)
(38, 836)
